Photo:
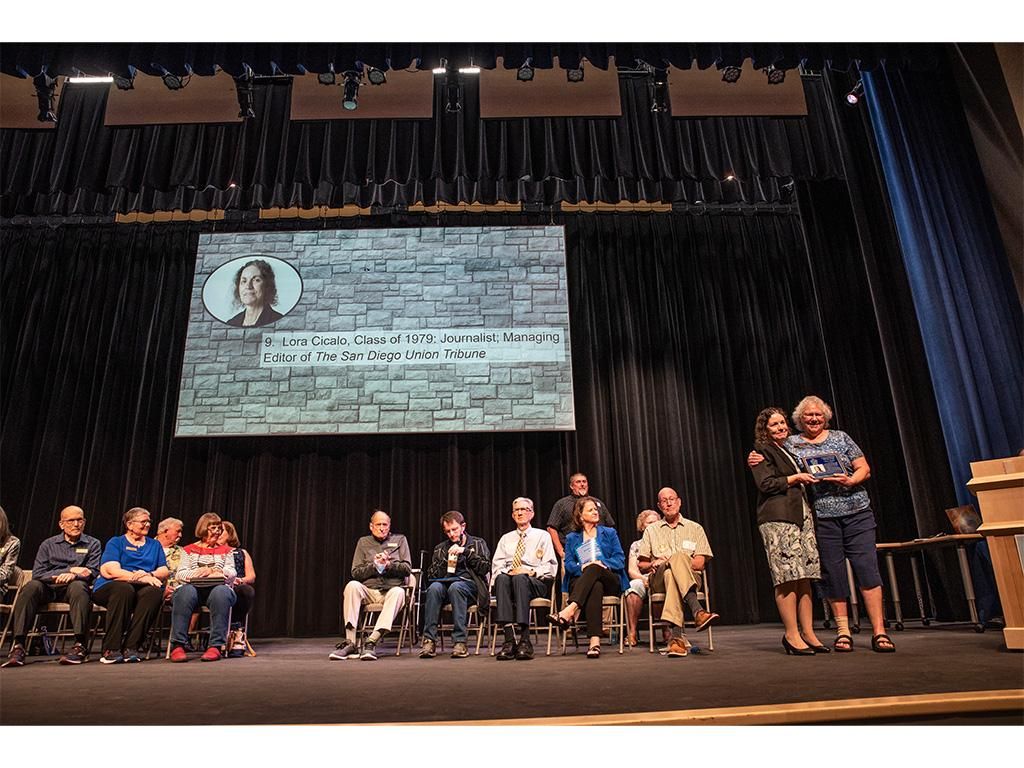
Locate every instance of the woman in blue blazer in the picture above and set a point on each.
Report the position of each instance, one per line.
(595, 566)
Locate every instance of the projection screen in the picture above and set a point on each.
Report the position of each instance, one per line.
(447, 329)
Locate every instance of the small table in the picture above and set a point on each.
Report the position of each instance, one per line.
(918, 547)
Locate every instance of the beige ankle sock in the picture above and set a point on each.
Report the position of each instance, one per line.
(842, 625)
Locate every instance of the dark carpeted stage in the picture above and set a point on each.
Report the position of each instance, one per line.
(940, 674)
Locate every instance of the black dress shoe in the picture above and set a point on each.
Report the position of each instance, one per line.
(524, 651)
(508, 651)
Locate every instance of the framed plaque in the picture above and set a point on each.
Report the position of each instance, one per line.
(824, 465)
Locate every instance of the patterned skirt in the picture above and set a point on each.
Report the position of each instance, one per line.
(792, 552)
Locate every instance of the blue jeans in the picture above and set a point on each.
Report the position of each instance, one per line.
(187, 600)
(439, 593)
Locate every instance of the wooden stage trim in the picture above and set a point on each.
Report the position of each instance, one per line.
(806, 713)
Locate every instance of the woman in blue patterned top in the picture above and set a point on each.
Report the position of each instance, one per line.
(595, 566)
(845, 522)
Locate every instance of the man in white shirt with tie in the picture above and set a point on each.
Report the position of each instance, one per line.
(522, 569)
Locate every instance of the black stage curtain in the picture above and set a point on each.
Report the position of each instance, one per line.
(85, 168)
(683, 327)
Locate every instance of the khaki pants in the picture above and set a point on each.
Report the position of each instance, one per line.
(357, 593)
(675, 579)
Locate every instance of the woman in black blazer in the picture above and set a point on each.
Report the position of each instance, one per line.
(787, 529)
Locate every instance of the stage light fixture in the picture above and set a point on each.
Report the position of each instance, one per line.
(376, 76)
(45, 87)
(441, 68)
(350, 97)
(731, 74)
(469, 70)
(328, 77)
(173, 82)
(243, 90)
(125, 83)
(658, 87)
(453, 92)
(525, 72)
(574, 75)
(854, 96)
(775, 75)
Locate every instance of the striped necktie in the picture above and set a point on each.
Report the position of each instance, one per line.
(517, 558)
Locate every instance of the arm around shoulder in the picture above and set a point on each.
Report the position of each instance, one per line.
(768, 477)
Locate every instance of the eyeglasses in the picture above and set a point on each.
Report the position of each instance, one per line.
(142, 522)
(668, 500)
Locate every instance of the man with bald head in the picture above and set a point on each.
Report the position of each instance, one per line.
(380, 566)
(673, 550)
(65, 566)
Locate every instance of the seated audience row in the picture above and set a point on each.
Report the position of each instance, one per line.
(132, 578)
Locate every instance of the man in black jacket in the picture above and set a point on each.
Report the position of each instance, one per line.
(458, 574)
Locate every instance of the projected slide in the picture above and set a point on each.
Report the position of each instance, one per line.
(447, 329)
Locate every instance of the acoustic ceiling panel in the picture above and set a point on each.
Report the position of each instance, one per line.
(18, 105)
(550, 94)
(406, 94)
(209, 99)
(702, 93)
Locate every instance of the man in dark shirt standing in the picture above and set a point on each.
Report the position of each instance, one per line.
(560, 519)
(65, 566)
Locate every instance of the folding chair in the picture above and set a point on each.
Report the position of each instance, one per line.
(371, 610)
(542, 604)
(616, 606)
(156, 632)
(195, 635)
(18, 579)
(62, 632)
(473, 625)
(703, 595)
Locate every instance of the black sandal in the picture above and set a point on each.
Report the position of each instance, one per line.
(594, 652)
(558, 621)
(844, 644)
(877, 644)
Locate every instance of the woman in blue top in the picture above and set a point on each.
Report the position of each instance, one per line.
(131, 587)
(845, 522)
(595, 566)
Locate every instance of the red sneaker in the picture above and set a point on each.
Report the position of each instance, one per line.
(178, 654)
(212, 654)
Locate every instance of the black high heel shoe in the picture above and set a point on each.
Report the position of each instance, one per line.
(819, 648)
(796, 651)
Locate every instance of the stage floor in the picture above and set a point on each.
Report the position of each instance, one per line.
(292, 681)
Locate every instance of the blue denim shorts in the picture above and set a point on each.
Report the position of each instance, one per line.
(847, 538)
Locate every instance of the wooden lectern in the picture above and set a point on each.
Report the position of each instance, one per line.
(999, 486)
